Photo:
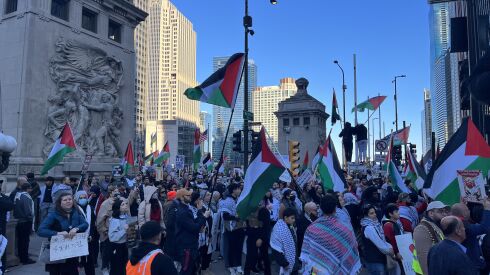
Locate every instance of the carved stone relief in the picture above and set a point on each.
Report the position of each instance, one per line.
(88, 82)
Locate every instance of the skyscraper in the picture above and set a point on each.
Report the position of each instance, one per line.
(266, 100)
(171, 69)
(426, 123)
(221, 116)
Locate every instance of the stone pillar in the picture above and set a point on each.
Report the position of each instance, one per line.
(12, 259)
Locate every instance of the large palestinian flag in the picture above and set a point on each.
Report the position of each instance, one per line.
(371, 104)
(399, 137)
(197, 149)
(163, 155)
(64, 145)
(329, 168)
(395, 177)
(221, 88)
(415, 172)
(128, 160)
(466, 150)
(263, 171)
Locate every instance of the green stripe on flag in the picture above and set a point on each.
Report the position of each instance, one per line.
(193, 93)
(55, 159)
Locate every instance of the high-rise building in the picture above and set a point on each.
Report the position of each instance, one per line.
(221, 115)
(266, 100)
(426, 123)
(205, 122)
(141, 77)
(171, 69)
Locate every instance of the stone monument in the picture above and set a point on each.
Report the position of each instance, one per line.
(67, 61)
(301, 118)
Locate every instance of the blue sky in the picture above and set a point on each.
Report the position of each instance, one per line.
(301, 38)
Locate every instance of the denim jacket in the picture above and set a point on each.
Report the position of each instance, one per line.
(56, 222)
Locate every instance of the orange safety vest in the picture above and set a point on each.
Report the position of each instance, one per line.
(143, 267)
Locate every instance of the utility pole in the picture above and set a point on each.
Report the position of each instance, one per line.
(247, 24)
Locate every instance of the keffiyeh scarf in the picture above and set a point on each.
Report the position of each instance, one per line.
(228, 205)
(282, 240)
(330, 247)
(374, 223)
(409, 213)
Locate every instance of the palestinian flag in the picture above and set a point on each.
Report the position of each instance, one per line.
(371, 104)
(221, 88)
(163, 156)
(263, 171)
(197, 149)
(221, 165)
(329, 168)
(392, 171)
(149, 159)
(415, 172)
(466, 150)
(316, 158)
(64, 145)
(335, 108)
(305, 162)
(400, 137)
(128, 160)
(207, 163)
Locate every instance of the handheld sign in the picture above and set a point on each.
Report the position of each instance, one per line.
(64, 248)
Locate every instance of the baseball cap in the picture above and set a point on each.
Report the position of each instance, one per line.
(150, 229)
(436, 205)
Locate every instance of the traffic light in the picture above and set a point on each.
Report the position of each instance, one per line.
(237, 141)
(255, 143)
(413, 148)
(397, 154)
(294, 156)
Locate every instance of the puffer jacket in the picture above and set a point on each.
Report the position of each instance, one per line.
(56, 222)
(144, 209)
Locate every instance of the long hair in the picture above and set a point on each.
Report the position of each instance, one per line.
(58, 207)
(116, 208)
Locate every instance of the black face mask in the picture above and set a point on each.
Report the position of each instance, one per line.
(313, 217)
(292, 198)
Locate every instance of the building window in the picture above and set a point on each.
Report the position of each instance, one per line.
(11, 6)
(296, 121)
(115, 31)
(89, 20)
(306, 120)
(59, 8)
(285, 122)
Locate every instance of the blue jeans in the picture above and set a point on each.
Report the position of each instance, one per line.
(376, 268)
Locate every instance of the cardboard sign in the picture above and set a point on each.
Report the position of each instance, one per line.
(64, 248)
(471, 185)
(179, 161)
(354, 167)
(305, 177)
(159, 173)
(117, 171)
(406, 248)
(86, 164)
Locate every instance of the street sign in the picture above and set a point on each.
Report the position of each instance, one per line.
(379, 158)
(179, 161)
(248, 115)
(381, 145)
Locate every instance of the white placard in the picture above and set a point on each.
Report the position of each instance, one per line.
(64, 248)
(405, 247)
(305, 177)
(471, 185)
(179, 161)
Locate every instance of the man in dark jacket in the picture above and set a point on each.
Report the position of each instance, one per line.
(24, 213)
(361, 142)
(5, 205)
(473, 230)
(309, 216)
(346, 135)
(189, 223)
(449, 256)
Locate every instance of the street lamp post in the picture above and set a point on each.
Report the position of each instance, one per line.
(396, 101)
(344, 87)
(374, 139)
(247, 25)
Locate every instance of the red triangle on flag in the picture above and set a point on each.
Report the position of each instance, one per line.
(267, 155)
(66, 136)
(475, 143)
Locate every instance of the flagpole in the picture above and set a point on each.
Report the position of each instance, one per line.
(379, 112)
(355, 99)
(369, 145)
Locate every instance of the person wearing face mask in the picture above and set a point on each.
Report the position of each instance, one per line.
(288, 201)
(310, 215)
(102, 224)
(150, 209)
(81, 199)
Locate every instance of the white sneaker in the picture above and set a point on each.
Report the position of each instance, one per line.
(105, 271)
(232, 270)
(239, 270)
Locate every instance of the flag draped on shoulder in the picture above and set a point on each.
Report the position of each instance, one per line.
(263, 171)
(221, 88)
(335, 108)
(370, 104)
(394, 176)
(64, 145)
(415, 172)
(128, 160)
(331, 173)
(197, 149)
(163, 156)
(466, 150)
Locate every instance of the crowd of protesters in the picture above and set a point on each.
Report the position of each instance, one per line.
(187, 221)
